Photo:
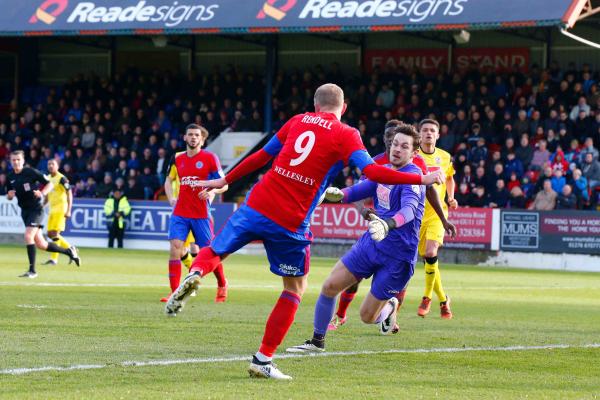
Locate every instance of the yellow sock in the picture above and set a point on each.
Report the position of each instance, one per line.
(62, 242)
(437, 285)
(431, 271)
(187, 260)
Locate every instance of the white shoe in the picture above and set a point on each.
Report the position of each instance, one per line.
(268, 371)
(74, 256)
(306, 347)
(179, 297)
(386, 326)
(29, 274)
(50, 262)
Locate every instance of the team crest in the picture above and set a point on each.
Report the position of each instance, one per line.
(438, 160)
(199, 164)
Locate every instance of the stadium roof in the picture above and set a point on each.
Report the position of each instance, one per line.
(131, 17)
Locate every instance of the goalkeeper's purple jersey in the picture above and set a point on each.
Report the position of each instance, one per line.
(389, 200)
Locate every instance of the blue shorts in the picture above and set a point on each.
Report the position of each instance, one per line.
(180, 227)
(390, 276)
(288, 252)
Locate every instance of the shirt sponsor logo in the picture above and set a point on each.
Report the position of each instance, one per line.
(383, 196)
(48, 17)
(415, 10)
(269, 10)
(191, 181)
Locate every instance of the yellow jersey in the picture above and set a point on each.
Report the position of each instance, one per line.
(57, 198)
(437, 160)
(172, 173)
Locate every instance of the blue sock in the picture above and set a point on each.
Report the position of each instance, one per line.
(324, 310)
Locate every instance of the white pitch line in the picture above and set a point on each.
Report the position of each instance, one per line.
(24, 371)
(118, 285)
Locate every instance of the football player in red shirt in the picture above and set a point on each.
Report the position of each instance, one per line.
(191, 204)
(307, 153)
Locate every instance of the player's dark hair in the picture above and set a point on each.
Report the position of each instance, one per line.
(388, 132)
(18, 153)
(429, 121)
(203, 131)
(408, 130)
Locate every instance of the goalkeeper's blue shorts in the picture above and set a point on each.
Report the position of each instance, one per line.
(390, 275)
(288, 252)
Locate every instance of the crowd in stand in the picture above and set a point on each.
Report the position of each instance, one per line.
(518, 139)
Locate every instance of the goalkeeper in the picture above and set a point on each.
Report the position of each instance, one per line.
(388, 251)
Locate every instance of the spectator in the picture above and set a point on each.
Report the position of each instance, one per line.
(588, 147)
(517, 198)
(478, 198)
(580, 187)
(566, 200)
(463, 195)
(103, 189)
(591, 170)
(478, 153)
(134, 190)
(545, 199)
(559, 162)
(513, 165)
(499, 196)
(540, 156)
(558, 181)
(116, 208)
(581, 106)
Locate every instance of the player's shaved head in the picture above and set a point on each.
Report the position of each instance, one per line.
(329, 97)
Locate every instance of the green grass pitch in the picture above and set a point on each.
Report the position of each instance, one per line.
(107, 314)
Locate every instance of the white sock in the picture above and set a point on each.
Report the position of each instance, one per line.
(262, 358)
(385, 312)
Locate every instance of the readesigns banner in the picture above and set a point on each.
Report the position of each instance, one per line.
(71, 17)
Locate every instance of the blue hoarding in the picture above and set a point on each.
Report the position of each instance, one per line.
(149, 220)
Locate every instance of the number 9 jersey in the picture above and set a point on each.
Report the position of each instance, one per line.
(309, 150)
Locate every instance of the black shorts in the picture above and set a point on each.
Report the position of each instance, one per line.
(34, 217)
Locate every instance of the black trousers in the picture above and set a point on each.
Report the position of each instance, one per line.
(114, 232)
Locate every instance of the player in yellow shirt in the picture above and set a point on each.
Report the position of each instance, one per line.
(61, 201)
(432, 230)
(190, 248)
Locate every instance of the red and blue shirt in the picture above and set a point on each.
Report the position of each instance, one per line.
(309, 150)
(188, 171)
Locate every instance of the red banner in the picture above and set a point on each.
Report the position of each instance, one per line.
(492, 59)
(337, 223)
(474, 226)
(430, 61)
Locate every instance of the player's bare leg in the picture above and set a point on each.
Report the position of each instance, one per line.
(382, 312)
(278, 325)
(339, 279)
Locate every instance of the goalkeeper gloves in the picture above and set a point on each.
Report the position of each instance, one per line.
(379, 228)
